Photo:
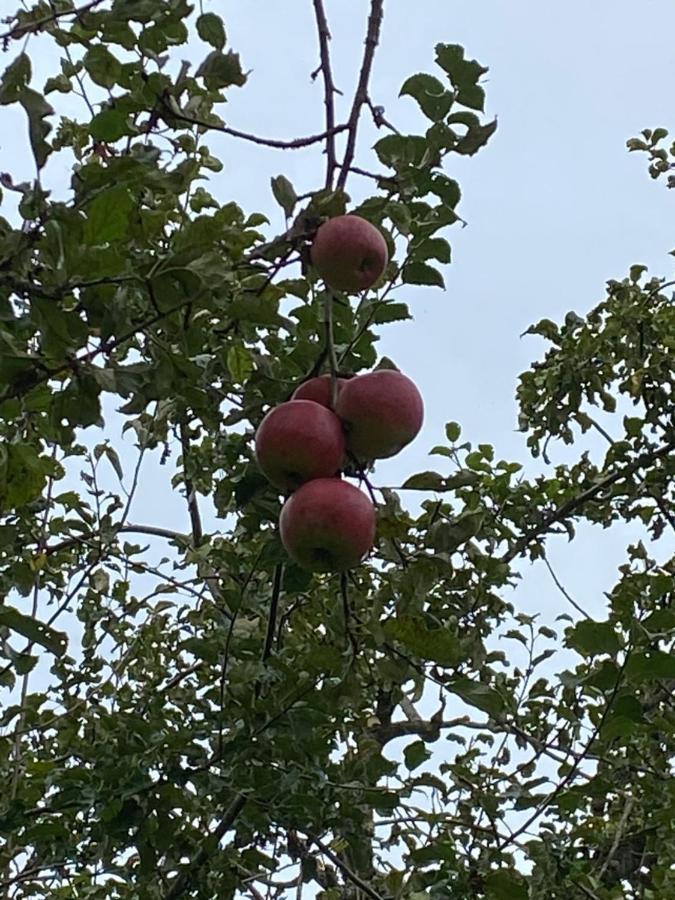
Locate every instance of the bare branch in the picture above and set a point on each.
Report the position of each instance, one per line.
(329, 88)
(361, 94)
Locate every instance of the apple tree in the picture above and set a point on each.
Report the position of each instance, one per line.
(214, 719)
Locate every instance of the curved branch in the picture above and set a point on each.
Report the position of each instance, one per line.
(361, 94)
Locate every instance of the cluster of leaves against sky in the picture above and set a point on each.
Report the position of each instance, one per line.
(228, 731)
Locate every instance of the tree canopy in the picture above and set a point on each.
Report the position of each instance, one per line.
(220, 722)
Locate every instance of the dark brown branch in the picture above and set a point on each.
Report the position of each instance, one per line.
(19, 31)
(576, 503)
(329, 88)
(361, 94)
(184, 879)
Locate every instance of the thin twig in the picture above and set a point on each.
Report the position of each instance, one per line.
(329, 88)
(361, 94)
(562, 590)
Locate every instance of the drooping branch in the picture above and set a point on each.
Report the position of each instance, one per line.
(329, 88)
(361, 94)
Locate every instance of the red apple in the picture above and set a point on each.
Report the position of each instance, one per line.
(328, 525)
(349, 253)
(319, 389)
(382, 412)
(298, 441)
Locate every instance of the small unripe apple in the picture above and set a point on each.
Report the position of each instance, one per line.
(382, 411)
(297, 441)
(327, 525)
(319, 389)
(349, 253)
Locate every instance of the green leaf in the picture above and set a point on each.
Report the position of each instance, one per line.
(477, 694)
(37, 109)
(15, 79)
(463, 73)
(239, 363)
(422, 273)
(34, 630)
(506, 885)
(433, 248)
(425, 481)
(651, 665)
(415, 754)
(452, 431)
(433, 99)
(110, 125)
(446, 189)
(108, 216)
(284, 194)
(221, 70)
(475, 139)
(102, 67)
(593, 638)
(438, 644)
(390, 312)
(210, 29)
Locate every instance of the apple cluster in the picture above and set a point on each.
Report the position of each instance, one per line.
(304, 445)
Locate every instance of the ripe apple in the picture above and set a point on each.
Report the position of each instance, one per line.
(382, 412)
(297, 441)
(327, 525)
(319, 389)
(349, 253)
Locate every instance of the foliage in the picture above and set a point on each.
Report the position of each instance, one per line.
(237, 717)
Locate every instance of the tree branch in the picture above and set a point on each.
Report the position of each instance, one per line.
(361, 94)
(19, 31)
(294, 144)
(329, 88)
(346, 871)
(576, 503)
(210, 842)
